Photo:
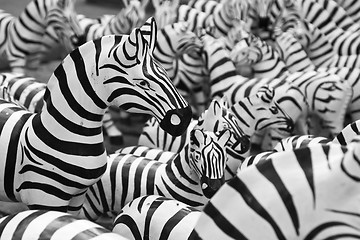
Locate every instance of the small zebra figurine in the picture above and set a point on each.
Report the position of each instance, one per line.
(192, 176)
(49, 159)
(156, 217)
(52, 225)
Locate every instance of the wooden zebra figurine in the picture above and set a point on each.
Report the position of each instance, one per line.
(46, 225)
(51, 158)
(192, 176)
(22, 36)
(254, 113)
(289, 196)
(156, 217)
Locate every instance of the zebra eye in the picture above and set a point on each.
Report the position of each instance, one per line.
(274, 110)
(144, 84)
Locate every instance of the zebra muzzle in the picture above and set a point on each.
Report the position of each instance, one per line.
(176, 121)
(211, 186)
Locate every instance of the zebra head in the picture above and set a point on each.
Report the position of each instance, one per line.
(165, 11)
(270, 112)
(132, 15)
(246, 53)
(177, 38)
(219, 117)
(145, 85)
(62, 19)
(208, 158)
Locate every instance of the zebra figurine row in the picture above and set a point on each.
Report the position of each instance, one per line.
(22, 37)
(51, 158)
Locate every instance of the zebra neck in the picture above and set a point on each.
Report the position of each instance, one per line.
(182, 164)
(72, 98)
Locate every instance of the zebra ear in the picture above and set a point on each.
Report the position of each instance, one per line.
(149, 32)
(224, 137)
(196, 136)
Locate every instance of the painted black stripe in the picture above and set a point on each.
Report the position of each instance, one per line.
(224, 225)
(131, 224)
(172, 222)
(5, 222)
(82, 76)
(67, 124)
(152, 209)
(67, 147)
(60, 74)
(64, 165)
(12, 155)
(24, 223)
(268, 170)
(238, 185)
(304, 158)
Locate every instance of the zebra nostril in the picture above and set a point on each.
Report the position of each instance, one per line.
(175, 120)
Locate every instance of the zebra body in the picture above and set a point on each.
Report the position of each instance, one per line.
(23, 35)
(299, 141)
(51, 158)
(157, 217)
(289, 196)
(46, 225)
(187, 177)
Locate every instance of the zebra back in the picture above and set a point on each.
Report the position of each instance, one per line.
(349, 132)
(156, 216)
(46, 225)
(299, 141)
(289, 196)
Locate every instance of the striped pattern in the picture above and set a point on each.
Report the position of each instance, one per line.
(192, 176)
(129, 17)
(322, 103)
(156, 216)
(41, 224)
(50, 158)
(23, 36)
(289, 196)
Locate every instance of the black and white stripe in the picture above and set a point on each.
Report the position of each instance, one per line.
(24, 34)
(156, 216)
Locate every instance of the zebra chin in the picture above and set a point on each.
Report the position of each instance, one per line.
(211, 186)
(175, 122)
